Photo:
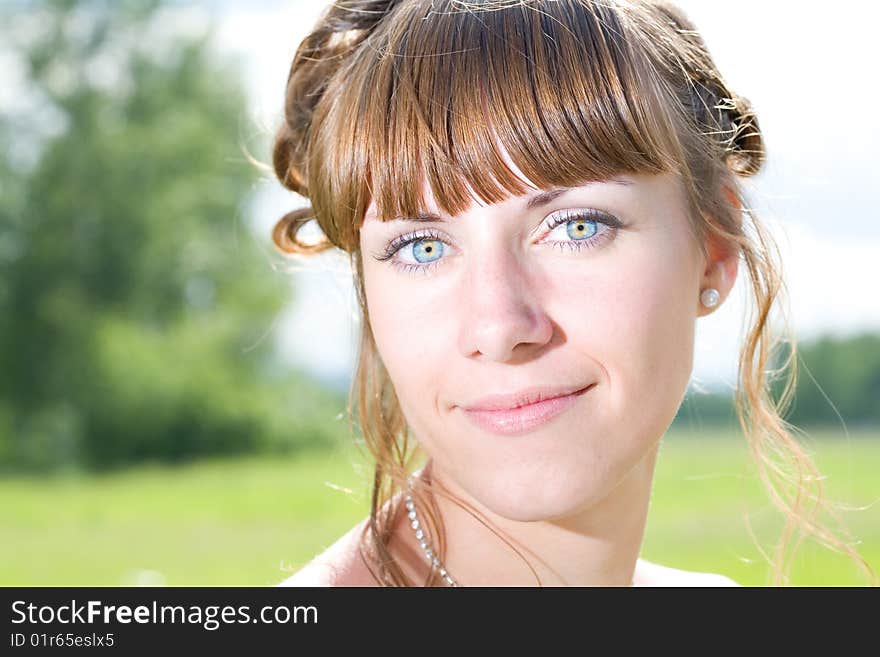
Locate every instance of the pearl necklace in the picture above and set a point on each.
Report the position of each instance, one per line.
(426, 545)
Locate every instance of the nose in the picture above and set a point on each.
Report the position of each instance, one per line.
(503, 317)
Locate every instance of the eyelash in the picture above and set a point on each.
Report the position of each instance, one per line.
(611, 223)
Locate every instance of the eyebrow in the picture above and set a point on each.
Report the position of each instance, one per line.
(536, 201)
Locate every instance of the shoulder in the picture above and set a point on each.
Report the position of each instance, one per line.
(339, 565)
(652, 574)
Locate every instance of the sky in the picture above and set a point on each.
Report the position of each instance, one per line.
(809, 74)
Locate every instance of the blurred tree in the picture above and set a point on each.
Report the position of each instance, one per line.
(837, 375)
(838, 385)
(133, 307)
(701, 408)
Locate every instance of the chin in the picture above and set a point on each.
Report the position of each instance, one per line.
(535, 496)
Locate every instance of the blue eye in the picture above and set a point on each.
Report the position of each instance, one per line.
(427, 249)
(582, 227)
(582, 230)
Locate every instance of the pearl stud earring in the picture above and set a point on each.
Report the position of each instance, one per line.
(710, 297)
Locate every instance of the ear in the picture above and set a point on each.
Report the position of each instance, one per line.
(721, 268)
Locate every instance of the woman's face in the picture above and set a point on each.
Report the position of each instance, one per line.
(497, 300)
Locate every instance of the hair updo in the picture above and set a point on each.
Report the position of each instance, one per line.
(343, 28)
(385, 94)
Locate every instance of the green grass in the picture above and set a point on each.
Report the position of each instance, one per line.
(707, 494)
(252, 521)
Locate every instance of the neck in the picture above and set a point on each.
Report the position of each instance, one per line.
(598, 545)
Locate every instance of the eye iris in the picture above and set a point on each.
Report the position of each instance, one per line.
(427, 249)
(584, 228)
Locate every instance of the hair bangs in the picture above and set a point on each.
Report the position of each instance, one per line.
(554, 84)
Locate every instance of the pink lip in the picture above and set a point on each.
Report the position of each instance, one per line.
(512, 415)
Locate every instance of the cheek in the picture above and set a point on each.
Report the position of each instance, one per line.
(408, 336)
(641, 331)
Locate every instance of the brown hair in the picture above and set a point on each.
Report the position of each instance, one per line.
(575, 91)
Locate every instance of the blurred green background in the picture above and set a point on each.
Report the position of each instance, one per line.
(149, 433)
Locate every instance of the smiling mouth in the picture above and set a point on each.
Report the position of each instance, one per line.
(524, 419)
